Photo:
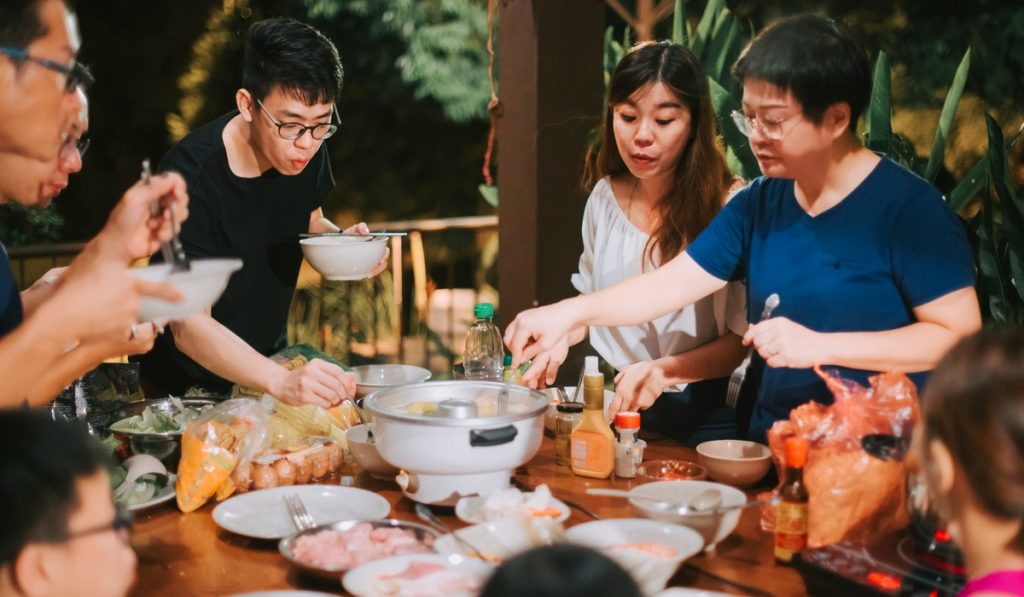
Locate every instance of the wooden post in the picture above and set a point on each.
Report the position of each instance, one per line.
(552, 91)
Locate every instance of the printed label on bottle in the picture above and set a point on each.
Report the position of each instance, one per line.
(790, 529)
(591, 452)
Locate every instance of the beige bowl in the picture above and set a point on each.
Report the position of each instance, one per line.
(370, 378)
(712, 526)
(365, 453)
(200, 286)
(344, 257)
(735, 461)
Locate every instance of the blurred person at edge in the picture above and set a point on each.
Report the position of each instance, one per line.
(257, 178)
(973, 413)
(93, 306)
(60, 532)
(560, 570)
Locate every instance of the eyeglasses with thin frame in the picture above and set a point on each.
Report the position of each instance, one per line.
(294, 130)
(121, 525)
(76, 74)
(79, 144)
(769, 128)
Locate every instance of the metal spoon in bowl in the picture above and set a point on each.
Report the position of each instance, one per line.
(709, 500)
(427, 515)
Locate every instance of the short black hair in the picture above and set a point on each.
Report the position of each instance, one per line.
(20, 24)
(560, 570)
(41, 461)
(294, 56)
(816, 59)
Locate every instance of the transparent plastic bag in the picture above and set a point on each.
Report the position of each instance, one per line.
(213, 445)
(853, 495)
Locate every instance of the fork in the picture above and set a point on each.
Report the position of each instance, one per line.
(740, 373)
(300, 516)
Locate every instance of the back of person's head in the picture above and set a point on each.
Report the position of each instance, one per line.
(816, 59)
(41, 462)
(20, 23)
(285, 53)
(702, 175)
(563, 570)
(974, 406)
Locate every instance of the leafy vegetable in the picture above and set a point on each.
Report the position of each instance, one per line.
(155, 421)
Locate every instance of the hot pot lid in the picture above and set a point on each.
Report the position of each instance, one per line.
(460, 403)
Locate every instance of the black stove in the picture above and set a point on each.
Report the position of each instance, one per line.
(919, 562)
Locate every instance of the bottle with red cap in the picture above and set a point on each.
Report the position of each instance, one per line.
(627, 424)
(791, 513)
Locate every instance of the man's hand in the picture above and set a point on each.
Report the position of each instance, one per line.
(637, 387)
(317, 382)
(544, 368)
(362, 229)
(142, 219)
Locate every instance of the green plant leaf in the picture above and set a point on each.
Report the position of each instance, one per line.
(627, 41)
(1013, 211)
(956, 90)
(724, 47)
(880, 108)
(737, 146)
(679, 23)
(990, 284)
(613, 53)
(704, 28)
(976, 178)
(489, 193)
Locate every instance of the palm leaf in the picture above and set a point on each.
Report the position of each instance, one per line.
(956, 90)
(737, 146)
(679, 24)
(704, 28)
(989, 281)
(880, 108)
(1013, 212)
(976, 178)
(724, 46)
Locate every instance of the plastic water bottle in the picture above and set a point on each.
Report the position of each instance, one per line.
(485, 352)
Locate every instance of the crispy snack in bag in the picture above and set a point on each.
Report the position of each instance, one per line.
(213, 446)
(853, 495)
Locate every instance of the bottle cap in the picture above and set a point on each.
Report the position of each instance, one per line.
(569, 407)
(627, 420)
(796, 452)
(483, 310)
(508, 360)
(590, 366)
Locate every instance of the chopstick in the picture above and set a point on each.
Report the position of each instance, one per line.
(311, 235)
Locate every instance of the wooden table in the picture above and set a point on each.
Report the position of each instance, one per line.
(187, 554)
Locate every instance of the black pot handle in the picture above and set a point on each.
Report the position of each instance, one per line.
(492, 437)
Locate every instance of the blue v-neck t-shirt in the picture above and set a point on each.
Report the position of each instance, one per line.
(888, 247)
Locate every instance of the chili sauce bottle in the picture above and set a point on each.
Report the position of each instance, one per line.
(791, 513)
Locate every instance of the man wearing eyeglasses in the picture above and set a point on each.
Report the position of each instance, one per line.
(257, 178)
(60, 532)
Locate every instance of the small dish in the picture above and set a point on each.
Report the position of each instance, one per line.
(371, 579)
(712, 526)
(370, 378)
(735, 462)
(366, 455)
(670, 470)
(344, 257)
(287, 546)
(164, 495)
(201, 285)
(471, 509)
(499, 540)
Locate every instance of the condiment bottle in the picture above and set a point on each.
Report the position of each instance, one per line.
(592, 442)
(485, 351)
(567, 416)
(628, 425)
(791, 513)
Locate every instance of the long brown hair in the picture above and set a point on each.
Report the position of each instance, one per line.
(974, 405)
(702, 176)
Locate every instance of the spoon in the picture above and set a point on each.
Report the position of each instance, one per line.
(709, 500)
(427, 515)
(172, 251)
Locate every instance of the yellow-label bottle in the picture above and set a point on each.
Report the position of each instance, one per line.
(791, 513)
(592, 444)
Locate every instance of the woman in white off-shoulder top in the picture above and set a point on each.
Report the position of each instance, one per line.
(660, 178)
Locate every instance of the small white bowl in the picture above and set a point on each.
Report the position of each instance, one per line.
(651, 572)
(200, 286)
(344, 257)
(370, 378)
(713, 526)
(735, 461)
(366, 455)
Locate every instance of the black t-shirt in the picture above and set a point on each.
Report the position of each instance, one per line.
(256, 219)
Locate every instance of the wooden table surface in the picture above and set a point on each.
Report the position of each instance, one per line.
(187, 554)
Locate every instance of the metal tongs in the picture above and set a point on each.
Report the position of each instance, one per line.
(173, 252)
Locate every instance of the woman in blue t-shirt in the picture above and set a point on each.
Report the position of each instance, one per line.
(873, 270)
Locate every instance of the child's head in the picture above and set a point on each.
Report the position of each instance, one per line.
(561, 570)
(971, 440)
(659, 125)
(815, 59)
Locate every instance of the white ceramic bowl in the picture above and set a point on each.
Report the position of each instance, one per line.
(344, 257)
(735, 461)
(499, 540)
(370, 378)
(713, 527)
(366, 454)
(200, 286)
(651, 572)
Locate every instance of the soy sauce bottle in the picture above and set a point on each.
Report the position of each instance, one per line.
(791, 513)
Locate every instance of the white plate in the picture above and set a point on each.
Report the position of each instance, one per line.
(362, 581)
(283, 593)
(262, 515)
(686, 592)
(165, 494)
(471, 509)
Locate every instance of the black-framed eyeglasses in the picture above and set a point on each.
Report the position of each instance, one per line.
(121, 525)
(294, 130)
(76, 74)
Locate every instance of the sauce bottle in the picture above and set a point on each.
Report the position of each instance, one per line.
(791, 513)
(592, 442)
(567, 416)
(628, 425)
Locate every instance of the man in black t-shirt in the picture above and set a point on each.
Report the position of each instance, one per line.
(257, 178)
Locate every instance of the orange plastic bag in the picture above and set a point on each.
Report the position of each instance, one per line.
(213, 445)
(853, 495)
